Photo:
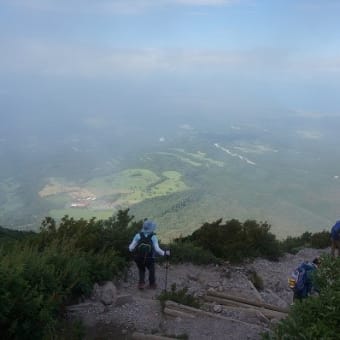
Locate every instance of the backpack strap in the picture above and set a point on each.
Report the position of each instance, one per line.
(142, 235)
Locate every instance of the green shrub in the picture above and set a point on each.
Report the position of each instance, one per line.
(35, 285)
(41, 273)
(317, 240)
(320, 240)
(91, 235)
(180, 296)
(236, 241)
(182, 252)
(70, 330)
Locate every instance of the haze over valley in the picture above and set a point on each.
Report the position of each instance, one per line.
(181, 111)
(180, 175)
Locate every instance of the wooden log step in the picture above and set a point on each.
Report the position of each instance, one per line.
(174, 306)
(247, 302)
(178, 313)
(271, 314)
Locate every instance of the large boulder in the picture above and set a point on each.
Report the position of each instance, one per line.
(106, 293)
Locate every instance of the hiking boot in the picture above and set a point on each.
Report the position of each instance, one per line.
(153, 286)
(141, 285)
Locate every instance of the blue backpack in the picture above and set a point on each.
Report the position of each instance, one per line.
(300, 279)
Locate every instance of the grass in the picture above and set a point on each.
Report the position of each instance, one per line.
(130, 186)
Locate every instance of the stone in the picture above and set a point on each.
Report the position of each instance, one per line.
(213, 284)
(123, 300)
(217, 308)
(108, 293)
(193, 277)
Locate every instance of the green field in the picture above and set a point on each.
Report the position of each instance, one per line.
(118, 191)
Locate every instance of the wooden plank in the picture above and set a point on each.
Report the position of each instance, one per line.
(271, 314)
(170, 305)
(178, 313)
(248, 302)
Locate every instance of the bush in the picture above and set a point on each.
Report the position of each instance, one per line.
(182, 252)
(93, 235)
(235, 241)
(317, 240)
(180, 296)
(320, 240)
(36, 285)
(40, 274)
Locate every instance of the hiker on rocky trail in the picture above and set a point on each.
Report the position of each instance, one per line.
(301, 279)
(144, 246)
(335, 239)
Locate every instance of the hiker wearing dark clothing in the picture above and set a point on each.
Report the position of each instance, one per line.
(145, 246)
(335, 239)
(301, 279)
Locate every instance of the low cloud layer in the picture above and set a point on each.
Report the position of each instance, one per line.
(46, 58)
(113, 6)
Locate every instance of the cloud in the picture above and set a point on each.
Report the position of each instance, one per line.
(314, 114)
(305, 134)
(62, 59)
(48, 58)
(112, 6)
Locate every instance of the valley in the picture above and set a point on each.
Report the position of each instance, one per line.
(290, 180)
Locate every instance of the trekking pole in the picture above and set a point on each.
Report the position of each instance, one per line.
(166, 272)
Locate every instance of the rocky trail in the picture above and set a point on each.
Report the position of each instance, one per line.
(231, 306)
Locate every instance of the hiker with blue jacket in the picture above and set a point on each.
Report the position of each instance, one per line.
(335, 238)
(301, 279)
(145, 246)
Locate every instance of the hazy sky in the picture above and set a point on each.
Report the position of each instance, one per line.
(169, 56)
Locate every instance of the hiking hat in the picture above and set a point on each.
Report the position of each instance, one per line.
(149, 226)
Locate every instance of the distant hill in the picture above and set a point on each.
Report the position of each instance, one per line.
(10, 234)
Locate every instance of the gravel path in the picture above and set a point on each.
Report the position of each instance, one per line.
(141, 311)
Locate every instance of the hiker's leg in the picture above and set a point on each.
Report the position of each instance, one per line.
(337, 244)
(141, 269)
(150, 264)
(298, 296)
(309, 287)
(333, 247)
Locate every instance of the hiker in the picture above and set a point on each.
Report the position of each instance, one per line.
(335, 238)
(144, 246)
(301, 279)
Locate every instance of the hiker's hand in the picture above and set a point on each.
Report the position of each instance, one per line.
(167, 252)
